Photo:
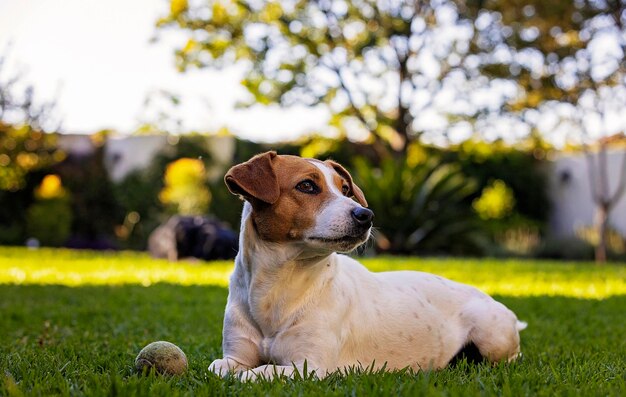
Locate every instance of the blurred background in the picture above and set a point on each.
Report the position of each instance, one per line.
(475, 128)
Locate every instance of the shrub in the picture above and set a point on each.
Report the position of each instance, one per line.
(185, 190)
(421, 205)
(94, 205)
(26, 155)
(138, 194)
(495, 202)
(49, 219)
(522, 171)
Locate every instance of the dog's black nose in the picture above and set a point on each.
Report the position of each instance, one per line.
(363, 216)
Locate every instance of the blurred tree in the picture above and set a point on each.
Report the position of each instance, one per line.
(26, 151)
(567, 59)
(24, 146)
(604, 197)
(376, 65)
(159, 113)
(18, 105)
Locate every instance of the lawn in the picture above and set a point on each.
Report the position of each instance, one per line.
(71, 323)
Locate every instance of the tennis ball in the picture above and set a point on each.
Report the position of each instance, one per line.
(165, 357)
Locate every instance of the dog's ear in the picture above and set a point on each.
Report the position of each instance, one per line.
(355, 191)
(255, 179)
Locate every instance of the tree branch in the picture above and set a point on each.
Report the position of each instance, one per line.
(401, 123)
(603, 169)
(595, 194)
(333, 24)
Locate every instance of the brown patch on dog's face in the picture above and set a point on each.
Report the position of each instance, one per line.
(276, 187)
(295, 211)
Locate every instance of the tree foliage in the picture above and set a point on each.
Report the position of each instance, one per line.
(18, 103)
(400, 68)
(376, 65)
(24, 145)
(26, 151)
(567, 59)
(553, 51)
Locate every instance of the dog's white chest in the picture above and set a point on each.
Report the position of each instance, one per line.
(266, 347)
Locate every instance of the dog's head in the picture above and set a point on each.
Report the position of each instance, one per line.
(303, 201)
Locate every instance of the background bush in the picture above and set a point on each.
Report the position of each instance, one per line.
(49, 218)
(519, 170)
(426, 200)
(26, 156)
(420, 206)
(96, 209)
(185, 191)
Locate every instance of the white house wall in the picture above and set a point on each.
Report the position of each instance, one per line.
(570, 192)
(127, 154)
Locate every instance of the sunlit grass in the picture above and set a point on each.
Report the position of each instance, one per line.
(499, 277)
(83, 339)
(514, 277)
(76, 268)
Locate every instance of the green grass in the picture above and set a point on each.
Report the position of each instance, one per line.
(71, 323)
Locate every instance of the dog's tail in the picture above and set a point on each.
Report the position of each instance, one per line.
(521, 325)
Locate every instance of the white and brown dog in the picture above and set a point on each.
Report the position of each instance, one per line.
(293, 299)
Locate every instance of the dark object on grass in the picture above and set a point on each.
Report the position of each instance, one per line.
(193, 236)
(166, 358)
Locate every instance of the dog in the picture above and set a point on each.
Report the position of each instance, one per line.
(297, 304)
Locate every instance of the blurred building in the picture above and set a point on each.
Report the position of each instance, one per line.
(79, 145)
(125, 154)
(571, 193)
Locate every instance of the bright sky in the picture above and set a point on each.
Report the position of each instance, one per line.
(96, 60)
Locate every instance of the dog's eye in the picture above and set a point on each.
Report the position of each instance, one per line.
(345, 189)
(307, 186)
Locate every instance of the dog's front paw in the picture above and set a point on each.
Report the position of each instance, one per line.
(223, 366)
(266, 372)
(247, 376)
